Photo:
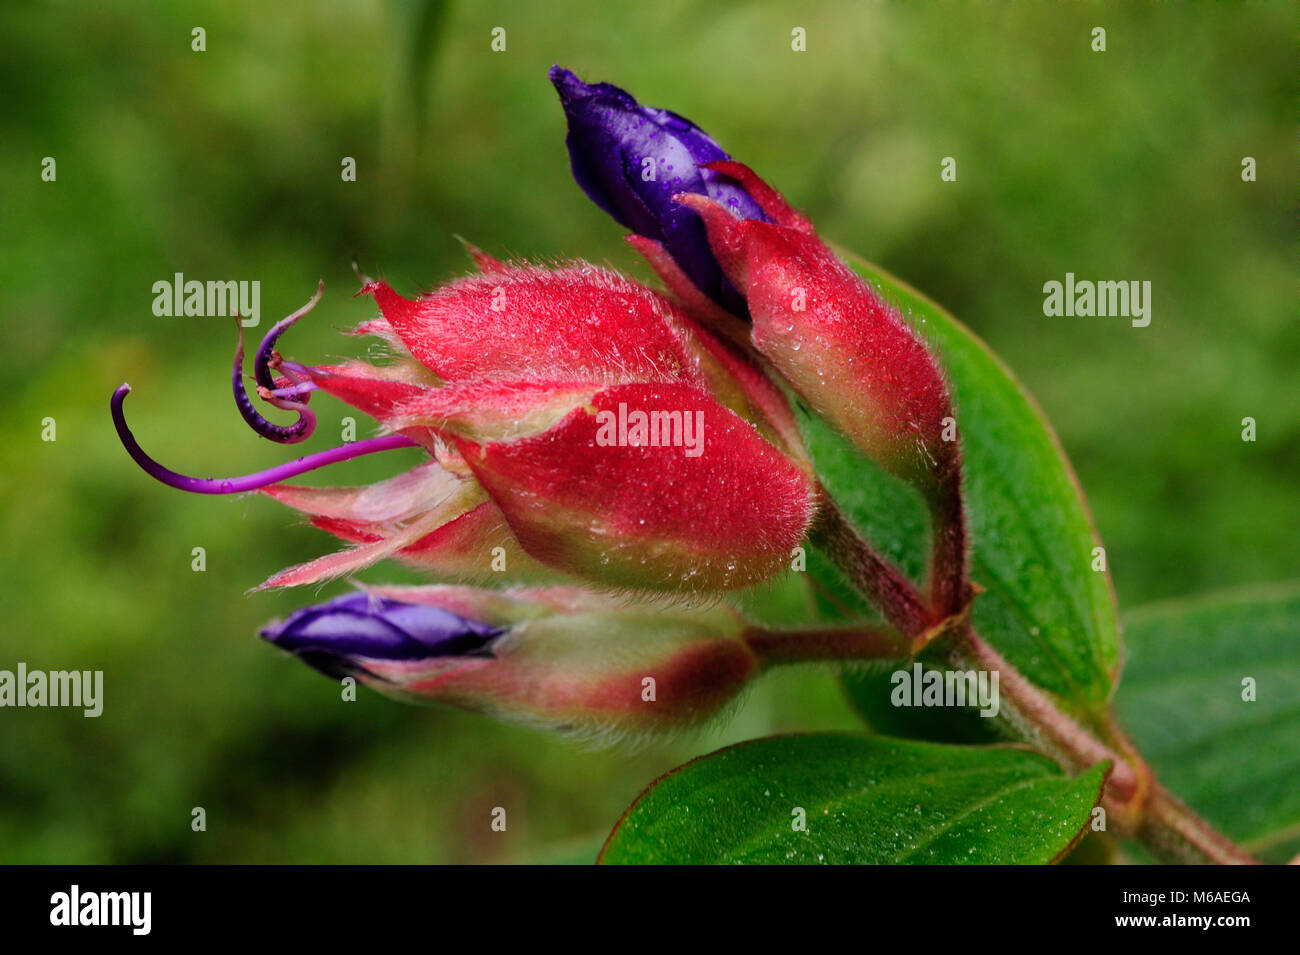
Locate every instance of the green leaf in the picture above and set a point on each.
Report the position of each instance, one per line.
(782, 601)
(1237, 763)
(1044, 607)
(866, 799)
(870, 690)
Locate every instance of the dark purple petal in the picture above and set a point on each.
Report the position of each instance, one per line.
(610, 138)
(339, 636)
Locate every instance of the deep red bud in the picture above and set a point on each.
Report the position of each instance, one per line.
(582, 424)
(832, 337)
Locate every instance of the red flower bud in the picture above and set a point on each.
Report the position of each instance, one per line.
(582, 423)
(831, 336)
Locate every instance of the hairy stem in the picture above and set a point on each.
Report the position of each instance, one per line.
(773, 647)
(882, 583)
(1036, 720)
(1176, 834)
(1140, 807)
(949, 588)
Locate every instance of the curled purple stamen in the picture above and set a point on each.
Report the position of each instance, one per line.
(287, 402)
(266, 350)
(300, 430)
(300, 374)
(289, 391)
(247, 482)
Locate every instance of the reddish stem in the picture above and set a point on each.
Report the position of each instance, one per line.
(1036, 719)
(949, 587)
(882, 583)
(773, 647)
(1174, 832)
(1141, 806)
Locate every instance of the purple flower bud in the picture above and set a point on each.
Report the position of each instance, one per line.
(340, 637)
(631, 160)
(598, 665)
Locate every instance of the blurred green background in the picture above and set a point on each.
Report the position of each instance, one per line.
(226, 164)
